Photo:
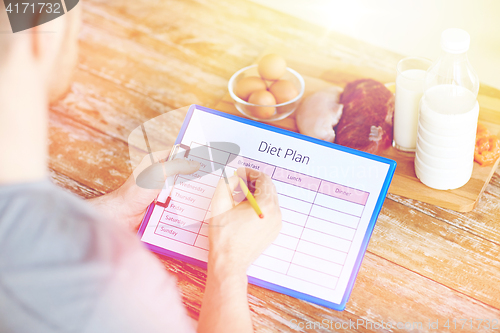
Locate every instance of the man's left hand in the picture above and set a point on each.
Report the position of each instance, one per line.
(128, 203)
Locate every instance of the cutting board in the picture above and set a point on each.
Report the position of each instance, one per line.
(405, 182)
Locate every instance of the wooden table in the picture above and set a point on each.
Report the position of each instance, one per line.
(140, 59)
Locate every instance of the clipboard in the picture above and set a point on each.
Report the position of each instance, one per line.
(330, 197)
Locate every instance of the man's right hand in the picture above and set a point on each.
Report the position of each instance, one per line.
(237, 235)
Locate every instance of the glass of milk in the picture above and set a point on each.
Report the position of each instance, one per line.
(409, 90)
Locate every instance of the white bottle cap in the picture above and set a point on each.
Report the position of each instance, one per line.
(455, 40)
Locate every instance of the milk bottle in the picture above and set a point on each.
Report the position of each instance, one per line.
(448, 116)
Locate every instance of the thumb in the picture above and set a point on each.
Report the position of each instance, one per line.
(154, 176)
(182, 166)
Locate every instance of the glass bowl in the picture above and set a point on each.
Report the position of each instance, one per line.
(283, 110)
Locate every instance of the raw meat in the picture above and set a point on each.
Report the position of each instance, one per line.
(319, 113)
(366, 122)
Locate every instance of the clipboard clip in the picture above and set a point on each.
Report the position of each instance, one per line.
(178, 151)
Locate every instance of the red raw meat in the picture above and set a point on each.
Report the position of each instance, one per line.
(366, 122)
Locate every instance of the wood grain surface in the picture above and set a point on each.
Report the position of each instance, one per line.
(140, 59)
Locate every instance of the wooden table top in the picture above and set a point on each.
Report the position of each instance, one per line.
(140, 59)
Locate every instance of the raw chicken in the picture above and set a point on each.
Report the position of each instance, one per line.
(319, 113)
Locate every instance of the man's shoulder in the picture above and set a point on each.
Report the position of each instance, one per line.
(56, 256)
(66, 268)
(46, 221)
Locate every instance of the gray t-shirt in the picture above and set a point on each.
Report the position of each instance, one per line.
(65, 269)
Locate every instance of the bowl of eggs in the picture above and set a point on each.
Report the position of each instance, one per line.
(267, 91)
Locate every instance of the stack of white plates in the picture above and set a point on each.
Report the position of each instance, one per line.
(444, 157)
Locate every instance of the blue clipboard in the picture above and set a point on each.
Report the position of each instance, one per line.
(380, 200)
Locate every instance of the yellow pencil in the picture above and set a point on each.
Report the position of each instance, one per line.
(250, 197)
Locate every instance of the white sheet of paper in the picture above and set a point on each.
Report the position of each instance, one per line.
(327, 198)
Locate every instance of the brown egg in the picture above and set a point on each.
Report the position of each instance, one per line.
(283, 91)
(262, 97)
(246, 86)
(272, 67)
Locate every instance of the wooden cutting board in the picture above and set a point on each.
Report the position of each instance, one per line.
(405, 182)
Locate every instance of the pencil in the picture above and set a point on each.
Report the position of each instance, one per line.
(250, 197)
(227, 186)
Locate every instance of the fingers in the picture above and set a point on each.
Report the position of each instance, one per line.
(182, 166)
(265, 191)
(258, 182)
(153, 176)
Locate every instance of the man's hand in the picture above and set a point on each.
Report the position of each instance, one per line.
(128, 203)
(237, 236)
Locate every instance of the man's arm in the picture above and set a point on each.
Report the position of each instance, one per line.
(225, 303)
(237, 237)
